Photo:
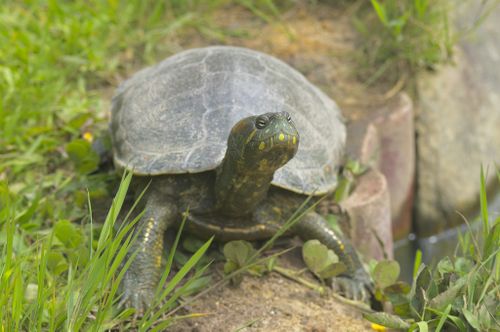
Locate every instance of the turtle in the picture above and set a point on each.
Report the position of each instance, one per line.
(240, 139)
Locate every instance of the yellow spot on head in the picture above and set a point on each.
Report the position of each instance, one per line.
(294, 140)
(281, 137)
(262, 146)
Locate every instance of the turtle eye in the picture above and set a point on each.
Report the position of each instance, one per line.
(261, 122)
(288, 117)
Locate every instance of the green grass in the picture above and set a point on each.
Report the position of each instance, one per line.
(59, 269)
(41, 291)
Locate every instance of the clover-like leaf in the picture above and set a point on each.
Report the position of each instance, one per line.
(78, 255)
(386, 273)
(320, 260)
(238, 252)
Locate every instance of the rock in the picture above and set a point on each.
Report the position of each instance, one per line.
(369, 214)
(457, 130)
(395, 125)
(384, 139)
(363, 143)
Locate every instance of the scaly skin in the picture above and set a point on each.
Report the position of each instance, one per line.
(235, 202)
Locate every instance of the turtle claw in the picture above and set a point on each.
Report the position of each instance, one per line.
(135, 296)
(356, 288)
(349, 288)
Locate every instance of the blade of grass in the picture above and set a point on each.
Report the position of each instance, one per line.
(444, 317)
(381, 13)
(296, 216)
(417, 263)
(175, 296)
(41, 294)
(115, 209)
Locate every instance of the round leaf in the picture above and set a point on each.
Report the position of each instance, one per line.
(238, 251)
(319, 259)
(386, 273)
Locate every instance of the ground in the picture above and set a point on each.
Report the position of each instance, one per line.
(271, 303)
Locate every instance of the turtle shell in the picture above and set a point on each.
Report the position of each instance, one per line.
(175, 117)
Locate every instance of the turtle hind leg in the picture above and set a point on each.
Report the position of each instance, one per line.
(355, 282)
(141, 279)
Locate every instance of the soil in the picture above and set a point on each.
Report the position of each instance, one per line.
(270, 303)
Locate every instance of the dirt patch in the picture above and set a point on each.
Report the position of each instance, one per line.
(271, 303)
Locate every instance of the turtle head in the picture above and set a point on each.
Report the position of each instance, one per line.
(257, 146)
(265, 142)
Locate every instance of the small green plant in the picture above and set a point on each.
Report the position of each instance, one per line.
(242, 258)
(239, 255)
(400, 37)
(460, 293)
(323, 262)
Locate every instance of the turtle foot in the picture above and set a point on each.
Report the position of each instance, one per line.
(135, 295)
(356, 288)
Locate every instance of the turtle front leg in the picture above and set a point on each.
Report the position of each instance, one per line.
(142, 277)
(355, 282)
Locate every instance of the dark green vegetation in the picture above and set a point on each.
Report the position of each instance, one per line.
(58, 61)
(399, 38)
(460, 292)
